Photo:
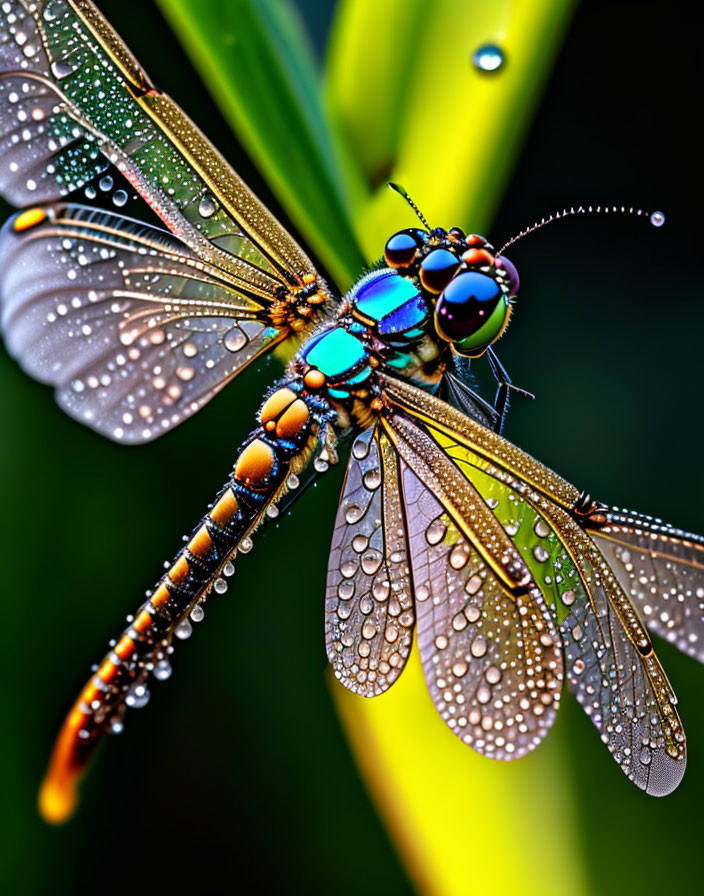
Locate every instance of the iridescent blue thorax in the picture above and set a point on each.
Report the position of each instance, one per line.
(385, 317)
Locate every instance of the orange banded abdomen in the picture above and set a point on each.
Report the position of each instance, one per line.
(289, 421)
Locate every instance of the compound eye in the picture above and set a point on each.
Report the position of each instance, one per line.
(468, 303)
(510, 268)
(402, 248)
(437, 269)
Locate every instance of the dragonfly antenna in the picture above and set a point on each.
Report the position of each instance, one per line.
(399, 189)
(657, 219)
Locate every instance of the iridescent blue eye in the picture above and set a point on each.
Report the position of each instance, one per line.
(437, 269)
(466, 305)
(401, 249)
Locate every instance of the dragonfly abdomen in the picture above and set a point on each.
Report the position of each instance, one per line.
(290, 424)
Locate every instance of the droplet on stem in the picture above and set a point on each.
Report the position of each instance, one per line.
(488, 58)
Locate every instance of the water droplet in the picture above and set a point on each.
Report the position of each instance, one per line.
(381, 589)
(435, 532)
(62, 69)
(478, 646)
(372, 479)
(359, 543)
(488, 58)
(568, 597)
(353, 514)
(137, 696)
(183, 630)
(541, 528)
(320, 465)
(645, 756)
(90, 192)
(540, 553)
(345, 590)
(493, 675)
(371, 561)
(105, 183)
(246, 544)
(228, 569)
(459, 555)
(474, 583)
(220, 586)
(234, 340)
(197, 613)
(207, 206)
(120, 198)
(360, 449)
(657, 219)
(162, 670)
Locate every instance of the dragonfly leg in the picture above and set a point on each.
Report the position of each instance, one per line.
(505, 386)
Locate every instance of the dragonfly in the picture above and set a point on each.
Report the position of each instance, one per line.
(510, 579)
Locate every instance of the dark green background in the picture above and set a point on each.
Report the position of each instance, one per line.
(238, 775)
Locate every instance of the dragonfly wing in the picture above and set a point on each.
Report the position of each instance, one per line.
(490, 648)
(131, 327)
(662, 569)
(73, 99)
(610, 661)
(369, 604)
(613, 670)
(229, 283)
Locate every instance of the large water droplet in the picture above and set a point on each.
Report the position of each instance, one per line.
(488, 58)
(207, 206)
(162, 670)
(119, 198)
(62, 69)
(657, 219)
(234, 340)
(197, 614)
(137, 696)
(183, 630)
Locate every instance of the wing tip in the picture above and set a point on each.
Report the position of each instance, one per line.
(665, 773)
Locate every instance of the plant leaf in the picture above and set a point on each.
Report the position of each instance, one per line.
(255, 58)
(404, 92)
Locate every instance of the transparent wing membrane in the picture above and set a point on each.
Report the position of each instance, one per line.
(662, 569)
(369, 606)
(73, 98)
(609, 659)
(133, 330)
(491, 655)
(137, 328)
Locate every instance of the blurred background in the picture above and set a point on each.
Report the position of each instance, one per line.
(239, 774)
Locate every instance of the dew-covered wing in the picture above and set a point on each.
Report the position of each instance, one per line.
(609, 659)
(131, 327)
(369, 604)
(661, 568)
(73, 99)
(490, 649)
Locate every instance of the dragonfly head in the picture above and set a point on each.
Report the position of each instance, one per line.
(469, 285)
